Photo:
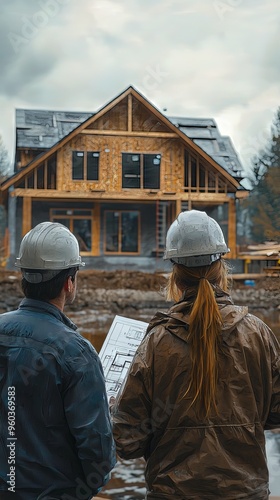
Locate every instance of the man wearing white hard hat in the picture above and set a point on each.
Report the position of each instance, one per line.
(55, 436)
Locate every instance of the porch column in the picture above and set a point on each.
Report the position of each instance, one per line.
(95, 230)
(26, 214)
(178, 207)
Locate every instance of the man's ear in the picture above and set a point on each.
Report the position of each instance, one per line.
(67, 284)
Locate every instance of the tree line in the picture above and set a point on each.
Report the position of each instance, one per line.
(263, 203)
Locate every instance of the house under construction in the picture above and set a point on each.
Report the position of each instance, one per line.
(118, 177)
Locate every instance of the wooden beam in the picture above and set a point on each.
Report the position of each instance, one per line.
(232, 228)
(26, 215)
(246, 276)
(242, 194)
(210, 198)
(137, 194)
(90, 195)
(178, 207)
(129, 113)
(45, 174)
(189, 171)
(213, 198)
(257, 257)
(127, 133)
(95, 231)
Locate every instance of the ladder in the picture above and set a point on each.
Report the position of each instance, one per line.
(161, 225)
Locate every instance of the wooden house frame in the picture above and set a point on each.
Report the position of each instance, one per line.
(117, 181)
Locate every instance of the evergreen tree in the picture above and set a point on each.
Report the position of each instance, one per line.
(264, 200)
(4, 161)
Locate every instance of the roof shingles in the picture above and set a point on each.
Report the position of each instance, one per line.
(43, 129)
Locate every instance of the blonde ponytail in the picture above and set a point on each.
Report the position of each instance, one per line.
(205, 325)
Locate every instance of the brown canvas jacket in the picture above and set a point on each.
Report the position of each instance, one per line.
(190, 458)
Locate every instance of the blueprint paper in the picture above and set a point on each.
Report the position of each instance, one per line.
(118, 349)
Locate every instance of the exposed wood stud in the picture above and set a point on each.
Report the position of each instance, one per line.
(35, 178)
(167, 135)
(129, 117)
(45, 174)
(197, 174)
(232, 228)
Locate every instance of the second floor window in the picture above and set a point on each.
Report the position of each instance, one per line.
(85, 165)
(141, 171)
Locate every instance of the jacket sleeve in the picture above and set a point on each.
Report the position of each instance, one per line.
(273, 419)
(131, 413)
(87, 413)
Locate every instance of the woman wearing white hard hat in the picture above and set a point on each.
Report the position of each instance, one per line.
(204, 383)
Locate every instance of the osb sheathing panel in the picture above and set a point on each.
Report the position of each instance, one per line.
(114, 119)
(143, 120)
(110, 162)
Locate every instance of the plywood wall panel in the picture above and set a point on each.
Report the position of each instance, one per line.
(110, 161)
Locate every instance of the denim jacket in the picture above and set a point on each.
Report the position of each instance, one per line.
(55, 424)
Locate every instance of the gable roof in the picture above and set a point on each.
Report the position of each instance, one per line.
(174, 124)
(43, 129)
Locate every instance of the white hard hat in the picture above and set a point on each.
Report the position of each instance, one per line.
(49, 247)
(194, 239)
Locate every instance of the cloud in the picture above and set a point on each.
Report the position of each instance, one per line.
(207, 58)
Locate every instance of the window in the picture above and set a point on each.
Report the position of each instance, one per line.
(121, 231)
(85, 165)
(79, 222)
(141, 171)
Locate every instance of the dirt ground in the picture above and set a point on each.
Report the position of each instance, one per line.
(103, 279)
(113, 280)
(88, 282)
(123, 285)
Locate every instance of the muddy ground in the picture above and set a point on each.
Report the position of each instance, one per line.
(95, 289)
(120, 289)
(138, 295)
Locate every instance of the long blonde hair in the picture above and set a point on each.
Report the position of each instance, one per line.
(205, 325)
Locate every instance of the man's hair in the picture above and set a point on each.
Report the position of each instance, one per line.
(48, 290)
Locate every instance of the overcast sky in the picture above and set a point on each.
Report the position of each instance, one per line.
(195, 58)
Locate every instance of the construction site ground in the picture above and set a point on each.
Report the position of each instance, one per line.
(101, 295)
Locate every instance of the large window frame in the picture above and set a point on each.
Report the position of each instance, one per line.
(141, 170)
(119, 235)
(85, 165)
(73, 218)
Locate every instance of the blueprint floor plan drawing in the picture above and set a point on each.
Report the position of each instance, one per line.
(118, 349)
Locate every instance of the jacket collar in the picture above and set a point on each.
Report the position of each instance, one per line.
(39, 306)
(176, 320)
